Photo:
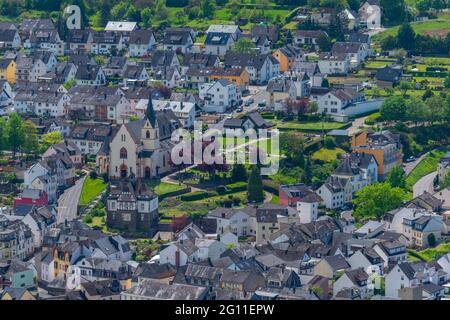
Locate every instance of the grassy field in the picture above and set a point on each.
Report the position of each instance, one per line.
(426, 166)
(424, 27)
(91, 189)
(327, 155)
(161, 188)
(430, 254)
(309, 126)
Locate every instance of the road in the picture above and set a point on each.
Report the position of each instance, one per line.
(424, 184)
(409, 166)
(356, 124)
(68, 202)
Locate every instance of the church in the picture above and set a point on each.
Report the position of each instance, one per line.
(140, 149)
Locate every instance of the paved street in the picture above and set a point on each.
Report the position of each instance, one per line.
(409, 166)
(424, 184)
(68, 202)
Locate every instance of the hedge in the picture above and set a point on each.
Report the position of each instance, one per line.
(197, 195)
(237, 187)
(270, 186)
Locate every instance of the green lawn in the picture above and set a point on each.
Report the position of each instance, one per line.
(376, 64)
(310, 126)
(426, 166)
(275, 199)
(162, 188)
(431, 254)
(327, 155)
(91, 189)
(441, 23)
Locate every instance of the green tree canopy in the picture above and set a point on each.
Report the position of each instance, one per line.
(375, 200)
(397, 177)
(15, 132)
(394, 108)
(244, 45)
(255, 191)
(406, 36)
(50, 139)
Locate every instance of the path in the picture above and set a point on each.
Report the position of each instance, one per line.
(68, 202)
(424, 184)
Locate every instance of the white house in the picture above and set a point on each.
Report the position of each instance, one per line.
(367, 259)
(330, 63)
(401, 276)
(209, 249)
(185, 111)
(335, 192)
(308, 208)
(179, 253)
(141, 43)
(359, 168)
(218, 43)
(370, 14)
(357, 278)
(50, 104)
(355, 52)
(219, 96)
(241, 222)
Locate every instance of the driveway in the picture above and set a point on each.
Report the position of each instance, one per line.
(356, 124)
(424, 184)
(68, 202)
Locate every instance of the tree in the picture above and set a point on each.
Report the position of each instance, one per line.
(244, 45)
(329, 142)
(313, 107)
(394, 11)
(406, 36)
(207, 7)
(428, 94)
(394, 108)
(146, 17)
(397, 177)
(70, 84)
(417, 110)
(239, 173)
(404, 86)
(255, 191)
(373, 201)
(292, 144)
(15, 131)
(308, 174)
(3, 134)
(431, 240)
(324, 43)
(325, 83)
(436, 107)
(50, 139)
(447, 81)
(31, 143)
(336, 28)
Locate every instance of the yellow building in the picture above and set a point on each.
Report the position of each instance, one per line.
(384, 146)
(237, 75)
(287, 57)
(8, 70)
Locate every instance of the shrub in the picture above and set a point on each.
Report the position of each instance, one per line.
(198, 195)
(93, 175)
(87, 218)
(221, 190)
(237, 187)
(236, 201)
(227, 203)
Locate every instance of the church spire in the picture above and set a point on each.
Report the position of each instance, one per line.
(150, 112)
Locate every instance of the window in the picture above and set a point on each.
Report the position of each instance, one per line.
(147, 134)
(123, 153)
(126, 217)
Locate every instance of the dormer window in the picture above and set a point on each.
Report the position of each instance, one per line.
(147, 134)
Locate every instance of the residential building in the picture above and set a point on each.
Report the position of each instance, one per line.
(132, 207)
(219, 96)
(8, 70)
(370, 14)
(384, 146)
(141, 43)
(260, 67)
(288, 57)
(308, 37)
(330, 63)
(178, 40)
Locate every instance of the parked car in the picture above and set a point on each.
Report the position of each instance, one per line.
(249, 102)
(410, 159)
(262, 104)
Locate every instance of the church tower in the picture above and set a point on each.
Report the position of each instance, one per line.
(150, 130)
